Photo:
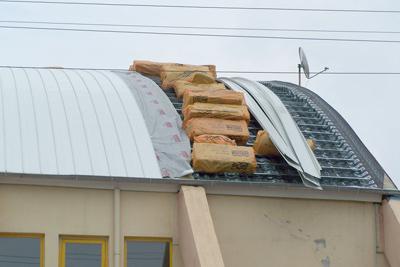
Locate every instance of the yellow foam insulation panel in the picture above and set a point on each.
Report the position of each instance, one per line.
(236, 130)
(214, 139)
(217, 158)
(154, 68)
(181, 86)
(200, 78)
(263, 145)
(148, 67)
(218, 111)
(172, 73)
(218, 97)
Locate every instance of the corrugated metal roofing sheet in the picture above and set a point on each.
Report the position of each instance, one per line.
(340, 162)
(72, 122)
(303, 158)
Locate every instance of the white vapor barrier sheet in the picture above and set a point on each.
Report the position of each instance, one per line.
(171, 144)
(72, 122)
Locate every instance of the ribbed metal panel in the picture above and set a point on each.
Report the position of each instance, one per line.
(340, 164)
(304, 159)
(72, 122)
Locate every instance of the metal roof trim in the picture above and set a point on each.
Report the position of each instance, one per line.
(151, 180)
(212, 187)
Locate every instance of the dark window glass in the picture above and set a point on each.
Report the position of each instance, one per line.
(148, 254)
(82, 255)
(19, 252)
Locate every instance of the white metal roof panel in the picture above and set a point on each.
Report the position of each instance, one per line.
(288, 126)
(72, 122)
(264, 121)
(282, 122)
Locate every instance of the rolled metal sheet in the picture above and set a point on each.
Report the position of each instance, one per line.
(273, 116)
(306, 157)
(265, 122)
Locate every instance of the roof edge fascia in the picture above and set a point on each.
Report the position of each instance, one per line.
(232, 188)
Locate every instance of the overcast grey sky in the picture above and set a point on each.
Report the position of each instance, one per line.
(370, 103)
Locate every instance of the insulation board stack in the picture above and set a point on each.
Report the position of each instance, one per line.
(216, 158)
(214, 139)
(212, 97)
(215, 118)
(181, 87)
(236, 130)
(218, 111)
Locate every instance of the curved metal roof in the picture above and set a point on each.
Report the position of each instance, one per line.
(72, 122)
(345, 161)
(346, 139)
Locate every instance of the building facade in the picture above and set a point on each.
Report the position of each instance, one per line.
(73, 193)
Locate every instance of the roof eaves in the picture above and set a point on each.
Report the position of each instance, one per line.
(236, 188)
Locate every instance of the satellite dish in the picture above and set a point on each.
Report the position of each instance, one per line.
(304, 63)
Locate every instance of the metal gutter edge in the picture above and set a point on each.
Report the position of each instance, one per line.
(212, 187)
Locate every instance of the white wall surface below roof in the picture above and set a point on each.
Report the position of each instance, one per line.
(72, 122)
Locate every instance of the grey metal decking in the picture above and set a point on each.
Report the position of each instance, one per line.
(340, 164)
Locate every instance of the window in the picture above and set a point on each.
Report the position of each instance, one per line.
(21, 250)
(79, 251)
(148, 252)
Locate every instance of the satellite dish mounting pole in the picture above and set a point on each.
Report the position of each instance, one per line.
(306, 69)
(299, 66)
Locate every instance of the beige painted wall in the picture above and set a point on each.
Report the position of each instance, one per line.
(381, 260)
(252, 231)
(151, 215)
(54, 211)
(391, 229)
(274, 232)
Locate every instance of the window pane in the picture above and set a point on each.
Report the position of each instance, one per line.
(19, 252)
(148, 254)
(82, 255)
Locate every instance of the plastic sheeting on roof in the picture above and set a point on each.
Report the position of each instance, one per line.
(72, 122)
(171, 144)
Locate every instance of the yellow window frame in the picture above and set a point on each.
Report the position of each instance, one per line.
(103, 241)
(147, 239)
(29, 235)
